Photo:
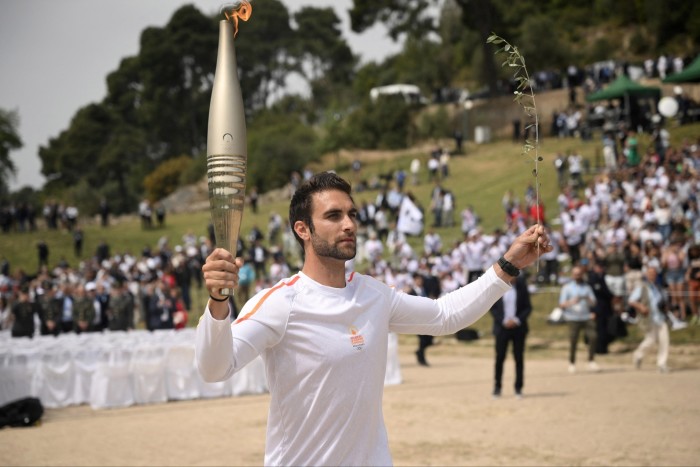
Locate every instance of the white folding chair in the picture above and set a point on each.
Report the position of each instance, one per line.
(17, 369)
(54, 378)
(112, 385)
(181, 380)
(148, 373)
(85, 362)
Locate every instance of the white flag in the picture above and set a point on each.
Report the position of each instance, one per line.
(410, 218)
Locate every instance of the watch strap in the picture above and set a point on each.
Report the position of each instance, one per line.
(508, 267)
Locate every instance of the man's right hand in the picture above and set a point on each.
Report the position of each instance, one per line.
(220, 271)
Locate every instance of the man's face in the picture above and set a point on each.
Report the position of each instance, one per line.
(334, 219)
(577, 274)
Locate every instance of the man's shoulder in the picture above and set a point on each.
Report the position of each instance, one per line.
(275, 299)
(365, 281)
(282, 290)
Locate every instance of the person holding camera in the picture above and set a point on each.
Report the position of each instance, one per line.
(577, 299)
(649, 303)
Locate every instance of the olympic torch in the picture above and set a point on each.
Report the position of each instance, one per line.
(227, 151)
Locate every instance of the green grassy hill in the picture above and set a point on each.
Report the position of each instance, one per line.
(479, 178)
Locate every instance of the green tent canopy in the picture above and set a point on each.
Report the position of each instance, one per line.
(691, 74)
(624, 88)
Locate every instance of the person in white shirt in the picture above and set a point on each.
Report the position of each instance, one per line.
(469, 220)
(432, 243)
(374, 248)
(323, 333)
(576, 169)
(448, 207)
(415, 171)
(473, 249)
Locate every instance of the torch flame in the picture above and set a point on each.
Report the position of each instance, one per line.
(240, 10)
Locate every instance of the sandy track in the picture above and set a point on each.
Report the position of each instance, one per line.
(442, 415)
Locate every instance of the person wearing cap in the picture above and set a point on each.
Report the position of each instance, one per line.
(83, 310)
(50, 309)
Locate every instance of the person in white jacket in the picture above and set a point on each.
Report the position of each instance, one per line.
(323, 333)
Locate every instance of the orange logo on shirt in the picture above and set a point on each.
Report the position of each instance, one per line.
(356, 338)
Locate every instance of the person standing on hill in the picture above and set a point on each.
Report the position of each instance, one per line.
(43, 253)
(631, 150)
(324, 333)
(415, 171)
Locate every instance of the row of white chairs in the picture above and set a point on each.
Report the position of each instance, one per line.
(119, 369)
(114, 370)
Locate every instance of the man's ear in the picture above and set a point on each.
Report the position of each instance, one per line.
(302, 230)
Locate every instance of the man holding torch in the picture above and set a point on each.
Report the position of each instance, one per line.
(323, 334)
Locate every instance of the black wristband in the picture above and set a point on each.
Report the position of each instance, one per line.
(218, 299)
(508, 267)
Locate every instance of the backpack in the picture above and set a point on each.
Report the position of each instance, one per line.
(22, 412)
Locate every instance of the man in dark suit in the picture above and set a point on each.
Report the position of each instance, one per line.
(425, 284)
(510, 314)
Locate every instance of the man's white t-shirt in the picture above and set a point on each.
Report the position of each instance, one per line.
(325, 352)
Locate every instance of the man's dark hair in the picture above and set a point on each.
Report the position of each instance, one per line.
(300, 206)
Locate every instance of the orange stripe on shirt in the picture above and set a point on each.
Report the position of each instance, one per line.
(259, 304)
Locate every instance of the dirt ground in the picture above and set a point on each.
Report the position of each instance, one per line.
(442, 415)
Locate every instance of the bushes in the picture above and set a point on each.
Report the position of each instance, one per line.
(384, 124)
(277, 146)
(167, 177)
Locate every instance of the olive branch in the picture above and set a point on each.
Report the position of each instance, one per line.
(525, 97)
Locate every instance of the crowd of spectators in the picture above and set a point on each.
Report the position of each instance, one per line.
(640, 209)
(118, 292)
(115, 292)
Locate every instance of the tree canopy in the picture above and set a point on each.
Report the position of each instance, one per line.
(157, 102)
(9, 141)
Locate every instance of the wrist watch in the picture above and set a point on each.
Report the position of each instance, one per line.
(508, 267)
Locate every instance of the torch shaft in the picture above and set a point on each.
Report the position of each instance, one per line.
(227, 151)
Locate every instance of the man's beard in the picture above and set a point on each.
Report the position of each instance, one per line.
(324, 249)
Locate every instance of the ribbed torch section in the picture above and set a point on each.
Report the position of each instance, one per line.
(227, 151)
